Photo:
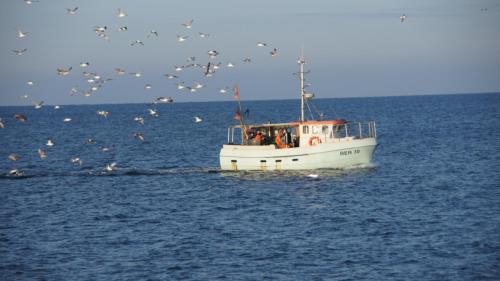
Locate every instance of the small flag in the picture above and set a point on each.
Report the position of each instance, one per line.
(237, 116)
(236, 92)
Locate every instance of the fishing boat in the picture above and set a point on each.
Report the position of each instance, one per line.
(298, 145)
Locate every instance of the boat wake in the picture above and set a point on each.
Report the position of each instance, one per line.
(117, 172)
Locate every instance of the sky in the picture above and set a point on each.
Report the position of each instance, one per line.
(353, 48)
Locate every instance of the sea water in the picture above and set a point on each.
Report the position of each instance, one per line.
(428, 208)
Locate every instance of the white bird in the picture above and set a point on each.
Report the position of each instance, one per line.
(216, 66)
(212, 54)
(261, 44)
(188, 24)
(84, 64)
(153, 112)
(191, 89)
(122, 28)
(38, 104)
(1, 124)
(224, 90)
(313, 176)
(198, 85)
(72, 11)
(103, 113)
(402, 18)
(170, 76)
(30, 83)
(203, 35)
(63, 72)
(274, 52)
(13, 157)
(50, 143)
(197, 119)
(41, 153)
(230, 65)
(110, 167)
(137, 42)
(180, 86)
(21, 34)
(105, 149)
(15, 172)
(163, 100)
(148, 87)
(120, 71)
(139, 136)
(120, 13)
(76, 160)
(20, 51)
(29, 2)
(178, 68)
(67, 119)
(139, 119)
(152, 33)
(182, 38)
(56, 107)
(100, 29)
(136, 74)
(73, 91)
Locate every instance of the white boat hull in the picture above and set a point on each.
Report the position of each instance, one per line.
(342, 154)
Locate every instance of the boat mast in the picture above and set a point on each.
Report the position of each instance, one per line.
(301, 62)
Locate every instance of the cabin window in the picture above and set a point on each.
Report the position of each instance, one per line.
(324, 129)
(315, 129)
(305, 129)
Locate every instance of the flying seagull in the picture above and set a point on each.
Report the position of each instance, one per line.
(182, 38)
(402, 18)
(188, 24)
(21, 34)
(110, 167)
(137, 42)
(120, 71)
(261, 44)
(197, 119)
(63, 72)
(120, 13)
(72, 11)
(20, 51)
(152, 33)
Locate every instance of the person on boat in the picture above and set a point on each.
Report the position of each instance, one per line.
(279, 142)
(258, 137)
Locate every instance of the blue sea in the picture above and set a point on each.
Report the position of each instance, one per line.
(427, 209)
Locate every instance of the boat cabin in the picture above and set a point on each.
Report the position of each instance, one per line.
(290, 135)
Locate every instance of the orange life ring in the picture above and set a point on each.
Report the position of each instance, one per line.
(318, 140)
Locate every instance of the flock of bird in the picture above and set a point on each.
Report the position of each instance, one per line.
(94, 81)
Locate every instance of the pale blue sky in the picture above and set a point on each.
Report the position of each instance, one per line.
(354, 48)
